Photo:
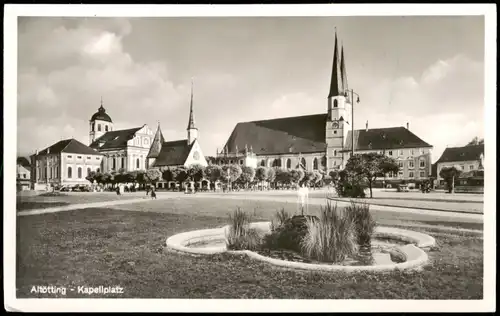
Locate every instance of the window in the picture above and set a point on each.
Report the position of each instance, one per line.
(263, 163)
(57, 172)
(146, 141)
(19, 175)
(24, 175)
(335, 132)
(230, 162)
(412, 152)
(315, 164)
(400, 174)
(422, 163)
(97, 158)
(88, 171)
(88, 158)
(422, 151)
(400, 164)
(123, 163)
(50, 173)
(69, 173)
(92, 127)
(276, 162)
(410, 174)
(390, 152)
(411, 164)
(106, 128)
(335, 162)
(241, 161)
(114, 163)
(335, 103)
(471, 167)
(323, 161)
(137, 162)
(401, 152)
(462, 167)
(422, 174)
(98, 170)
(335, 152)
(69, 156)
(303, 163)
(98, 127)
(79, 157)
(289, 163)
(79, 172)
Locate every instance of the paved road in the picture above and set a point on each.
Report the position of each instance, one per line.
(258, 196)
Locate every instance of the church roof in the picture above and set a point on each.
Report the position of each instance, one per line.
(101, 115)
(299, 134)
(306, 134)
(155, 148)
(23, 161)
(465, 153)
(384, 138)
(337, 81)
(173, 153)
(115, 139)
(69, 146)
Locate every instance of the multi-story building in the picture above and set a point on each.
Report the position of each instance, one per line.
(323, 141)
(467, 158)
(67, 162)
(23, 178)
(124, 149)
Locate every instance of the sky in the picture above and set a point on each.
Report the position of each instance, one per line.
(428, 71)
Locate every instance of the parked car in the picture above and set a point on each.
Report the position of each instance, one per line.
(403, 188)
(65, 188)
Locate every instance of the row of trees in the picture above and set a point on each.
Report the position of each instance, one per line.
(230, 174)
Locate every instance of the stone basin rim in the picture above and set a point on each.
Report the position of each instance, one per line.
(415, 257)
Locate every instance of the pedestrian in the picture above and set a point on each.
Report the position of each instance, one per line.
(117, 190)
(153, 193)
(147, 190)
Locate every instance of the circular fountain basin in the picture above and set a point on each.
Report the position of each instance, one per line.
(405, 245)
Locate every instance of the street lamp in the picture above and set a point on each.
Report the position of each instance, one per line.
(352, 116)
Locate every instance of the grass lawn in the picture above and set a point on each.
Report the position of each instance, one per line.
(124, 246)
(39, 201)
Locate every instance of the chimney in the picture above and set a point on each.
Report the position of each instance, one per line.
(367, 126)
(407, 125)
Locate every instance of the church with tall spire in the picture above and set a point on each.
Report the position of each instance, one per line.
(323, 142)
(176, 153)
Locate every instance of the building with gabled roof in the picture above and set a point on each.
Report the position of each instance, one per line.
(324, 141)
(466, 158)
(184, 152)
(66, 162)
(122, 150)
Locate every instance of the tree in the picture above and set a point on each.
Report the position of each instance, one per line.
(231, 172)
(327, 180)
(318, 177)
(308, 177)
(282, 176)
(153, 175)
(213, 173)
(167, 175)
(91, 176)
(195, 172)
(261, 174)
(131, 177)
(450, 174)
(370, 166)
(271, 175)
(476, 141)
(296, 175)
(247, 175)
(181, 174)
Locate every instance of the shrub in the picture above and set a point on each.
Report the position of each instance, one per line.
(240, 235)
(279, 218)
(350, 185)
(332, 238)
(289, 233)
(363, 221)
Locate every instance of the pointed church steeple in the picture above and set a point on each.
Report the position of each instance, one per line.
(191, 114)
(191, 129)
(343, 71)
(157, 143)
(336, 88)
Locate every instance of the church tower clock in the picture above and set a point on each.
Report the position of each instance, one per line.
(339, 113)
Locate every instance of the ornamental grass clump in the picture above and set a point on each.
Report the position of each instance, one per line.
(279, 219)
(364, 222)
(241, 236)
(332, 238)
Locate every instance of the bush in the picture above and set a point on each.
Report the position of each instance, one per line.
(289, 233)
(349, 185)
(241, 236)
(363, 221)
(279, 218)
(332, 238)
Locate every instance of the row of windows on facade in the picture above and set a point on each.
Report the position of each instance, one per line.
(411, 174)
(99, 128)
(471, 167)
(113, 163)
(54, 173)
(69, 157)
